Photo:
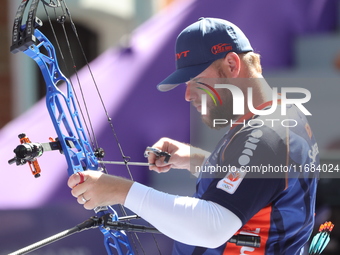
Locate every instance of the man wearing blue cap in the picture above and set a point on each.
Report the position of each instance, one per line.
(278, 208)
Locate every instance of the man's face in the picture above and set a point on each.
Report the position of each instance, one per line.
(219, 104)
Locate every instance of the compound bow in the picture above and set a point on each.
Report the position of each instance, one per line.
(72, 139)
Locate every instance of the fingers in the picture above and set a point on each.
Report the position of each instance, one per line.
(85, 200)
(157, 163)
(82, 199)
(152, 158)
(79, 192)
(164, 144)
(79, 183)
(160, 169)
(98, 189)
(76, 179)
(82, 177)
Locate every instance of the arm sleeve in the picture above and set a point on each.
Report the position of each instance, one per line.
(188, 220)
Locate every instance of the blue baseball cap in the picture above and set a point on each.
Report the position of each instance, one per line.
(200, 44)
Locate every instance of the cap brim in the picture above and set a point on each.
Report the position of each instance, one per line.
(182, 75)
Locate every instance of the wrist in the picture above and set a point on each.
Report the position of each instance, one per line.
(197, 158)
(120, 189)
(126, 186)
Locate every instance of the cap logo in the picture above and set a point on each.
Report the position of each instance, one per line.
(182, 54)
(221, 47)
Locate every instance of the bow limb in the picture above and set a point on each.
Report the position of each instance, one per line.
(63, 110)
(64, 113)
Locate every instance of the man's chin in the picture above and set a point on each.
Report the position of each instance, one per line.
(210, 123)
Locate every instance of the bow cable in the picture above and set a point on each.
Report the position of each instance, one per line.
(109, 119)
(92, 137)
(61, 21)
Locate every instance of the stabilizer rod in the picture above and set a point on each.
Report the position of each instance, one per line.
(104, 221)
(90, 223)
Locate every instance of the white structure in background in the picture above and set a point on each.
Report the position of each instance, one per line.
(111, 20)
(315, 71)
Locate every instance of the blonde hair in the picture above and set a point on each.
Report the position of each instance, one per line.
(252, 61)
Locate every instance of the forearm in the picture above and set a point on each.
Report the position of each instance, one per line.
(197, 158)
(185, 219)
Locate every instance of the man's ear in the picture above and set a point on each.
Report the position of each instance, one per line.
(232, 65)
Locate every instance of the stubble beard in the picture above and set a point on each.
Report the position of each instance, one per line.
(224, 111)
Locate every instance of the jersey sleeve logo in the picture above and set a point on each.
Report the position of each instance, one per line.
(231, 181)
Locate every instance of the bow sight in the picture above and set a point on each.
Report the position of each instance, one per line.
(28, 152)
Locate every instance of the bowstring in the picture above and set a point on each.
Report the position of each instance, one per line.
(109, 119)
(91, 137)
(125, 158)
(77, 76)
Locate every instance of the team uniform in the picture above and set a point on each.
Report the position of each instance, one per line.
(270, 185)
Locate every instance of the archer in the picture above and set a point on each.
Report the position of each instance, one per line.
(279, 208)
